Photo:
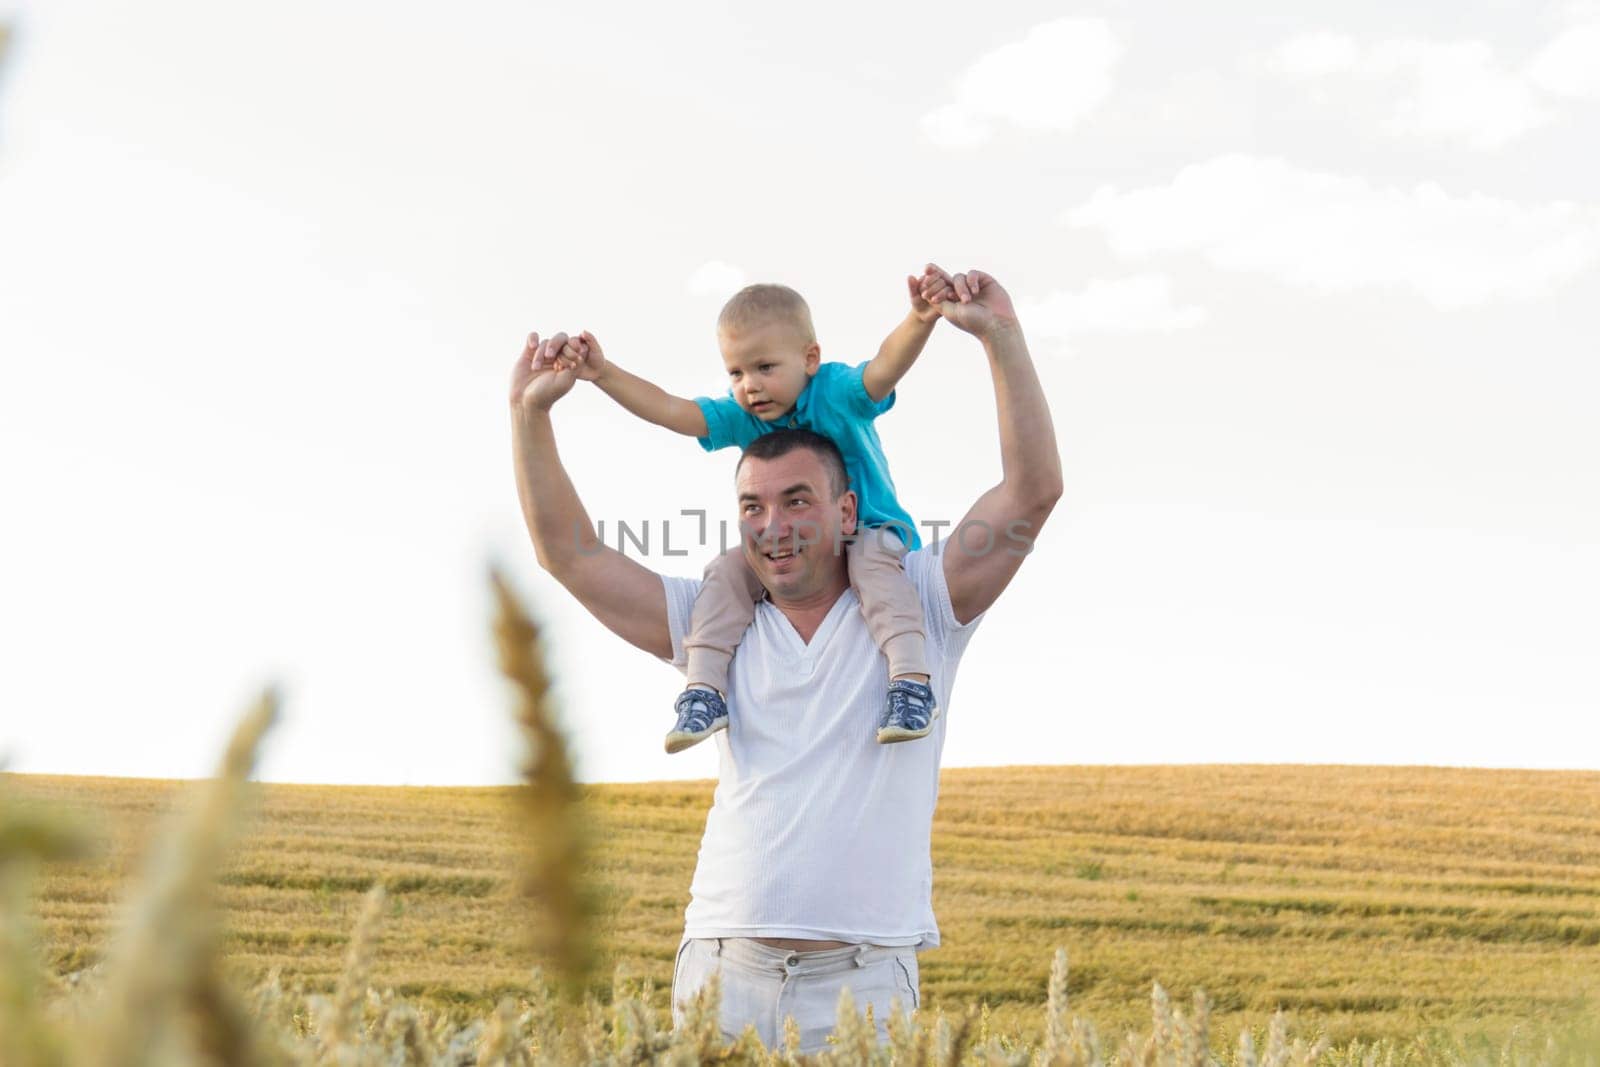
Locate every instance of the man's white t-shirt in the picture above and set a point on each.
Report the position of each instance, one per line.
(816, 831)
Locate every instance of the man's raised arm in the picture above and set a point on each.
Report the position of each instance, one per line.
(990, 542)
(624, 595)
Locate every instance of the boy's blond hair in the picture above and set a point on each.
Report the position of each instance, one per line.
(766, 302)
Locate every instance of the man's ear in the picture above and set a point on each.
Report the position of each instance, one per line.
(848, 517)
(813, 357)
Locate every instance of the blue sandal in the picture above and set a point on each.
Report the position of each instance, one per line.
(908, 713)
(701, 713)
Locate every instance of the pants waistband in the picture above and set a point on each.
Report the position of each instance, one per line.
(752, 955)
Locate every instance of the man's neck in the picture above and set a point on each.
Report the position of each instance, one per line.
(806, 613)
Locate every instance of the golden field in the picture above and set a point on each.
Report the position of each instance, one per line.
(1367, 902)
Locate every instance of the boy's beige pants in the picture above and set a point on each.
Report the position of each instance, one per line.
(726, 604)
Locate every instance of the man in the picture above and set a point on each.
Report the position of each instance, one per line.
(814, 872)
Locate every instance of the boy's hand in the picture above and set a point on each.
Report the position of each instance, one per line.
(584, 355)
(927, 291)
(979, 305)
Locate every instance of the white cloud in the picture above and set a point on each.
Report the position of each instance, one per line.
(1453, 91)
(1050, 80)
(1339, 232)
(1139, 304)
(1570, 64)
(1459, 92)
(1316, 55)
(716, 278)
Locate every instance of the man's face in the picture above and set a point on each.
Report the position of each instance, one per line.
(769, 364)
(791, 523)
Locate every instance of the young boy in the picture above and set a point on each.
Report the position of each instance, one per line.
(778, 380)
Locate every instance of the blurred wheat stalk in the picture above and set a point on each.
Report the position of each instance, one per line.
(5, 49)
(162, 1001)
(28, 837)
(552, 823)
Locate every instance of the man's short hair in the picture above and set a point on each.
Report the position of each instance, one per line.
(755, 305)
(782, 442)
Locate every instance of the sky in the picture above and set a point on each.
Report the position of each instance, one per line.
(1312, 294)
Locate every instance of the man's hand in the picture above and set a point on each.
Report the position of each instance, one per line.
(927, 291)
(624, 595)
(978, 304)
(540, 377)
(583, 352)
(1030, 466)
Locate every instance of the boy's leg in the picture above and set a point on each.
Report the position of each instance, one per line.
(893, 614)
(722, 612)
(889, 602)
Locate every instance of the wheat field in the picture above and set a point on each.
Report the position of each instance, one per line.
(1385, 916)
(1368, 903)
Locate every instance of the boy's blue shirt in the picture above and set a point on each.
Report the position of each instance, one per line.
(835, 404)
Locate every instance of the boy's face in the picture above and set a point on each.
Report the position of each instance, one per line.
(769, 364)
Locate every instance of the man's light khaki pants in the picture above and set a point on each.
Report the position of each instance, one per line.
(762, 986)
